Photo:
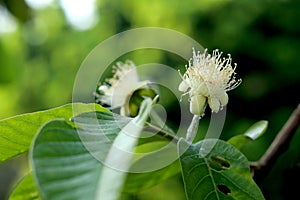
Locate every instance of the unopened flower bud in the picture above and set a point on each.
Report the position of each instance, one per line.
(214, 104)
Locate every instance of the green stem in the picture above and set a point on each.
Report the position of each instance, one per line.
(163, 132)
(192, 130)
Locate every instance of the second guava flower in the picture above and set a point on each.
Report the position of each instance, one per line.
(207, 80)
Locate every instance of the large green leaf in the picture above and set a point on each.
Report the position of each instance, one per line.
(62, 166)
(120, 155)
(16, 133)
(137, 182)
(155, 153)
(213, 169)
(25, 190)
(64, 157)
(251, 134)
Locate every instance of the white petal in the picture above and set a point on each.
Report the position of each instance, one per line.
(183, 86)
(203, 89)
(103, 88)
(214, 104)
(223, 98)
(197, 104)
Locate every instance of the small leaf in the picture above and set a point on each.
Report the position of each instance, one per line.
(25, 190)
(17, 133)
(214, 169)
(251, 134)
(257, 129)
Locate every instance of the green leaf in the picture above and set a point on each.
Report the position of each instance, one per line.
(62, 166)
(137, 182)
(120, 155)
(251, 134)
(214, 169)
(17, 133)
(257, 129)
(25, 190)
(64, 157)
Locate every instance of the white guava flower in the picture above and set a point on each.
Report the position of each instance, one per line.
(116, 90)
(207, 79)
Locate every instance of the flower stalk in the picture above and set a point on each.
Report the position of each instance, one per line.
(193, 128)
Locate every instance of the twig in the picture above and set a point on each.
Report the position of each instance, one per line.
(279, 145)
(164, 133)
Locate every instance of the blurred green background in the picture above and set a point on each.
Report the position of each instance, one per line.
(43, 43)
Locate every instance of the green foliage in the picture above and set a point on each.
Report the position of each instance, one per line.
(63, 166)
(213, 169)
(25, 190)
(75, 159)
(257, 129)
(16, 133)
(137, 182)
(251, 134)
(261, 35)
(18, 8)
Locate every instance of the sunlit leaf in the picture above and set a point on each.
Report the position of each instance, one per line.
(25, 190)
(251, 134)
(214, 169)
(16, 133)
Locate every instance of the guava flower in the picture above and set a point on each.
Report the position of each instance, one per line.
(207, 80)
(116, 90)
